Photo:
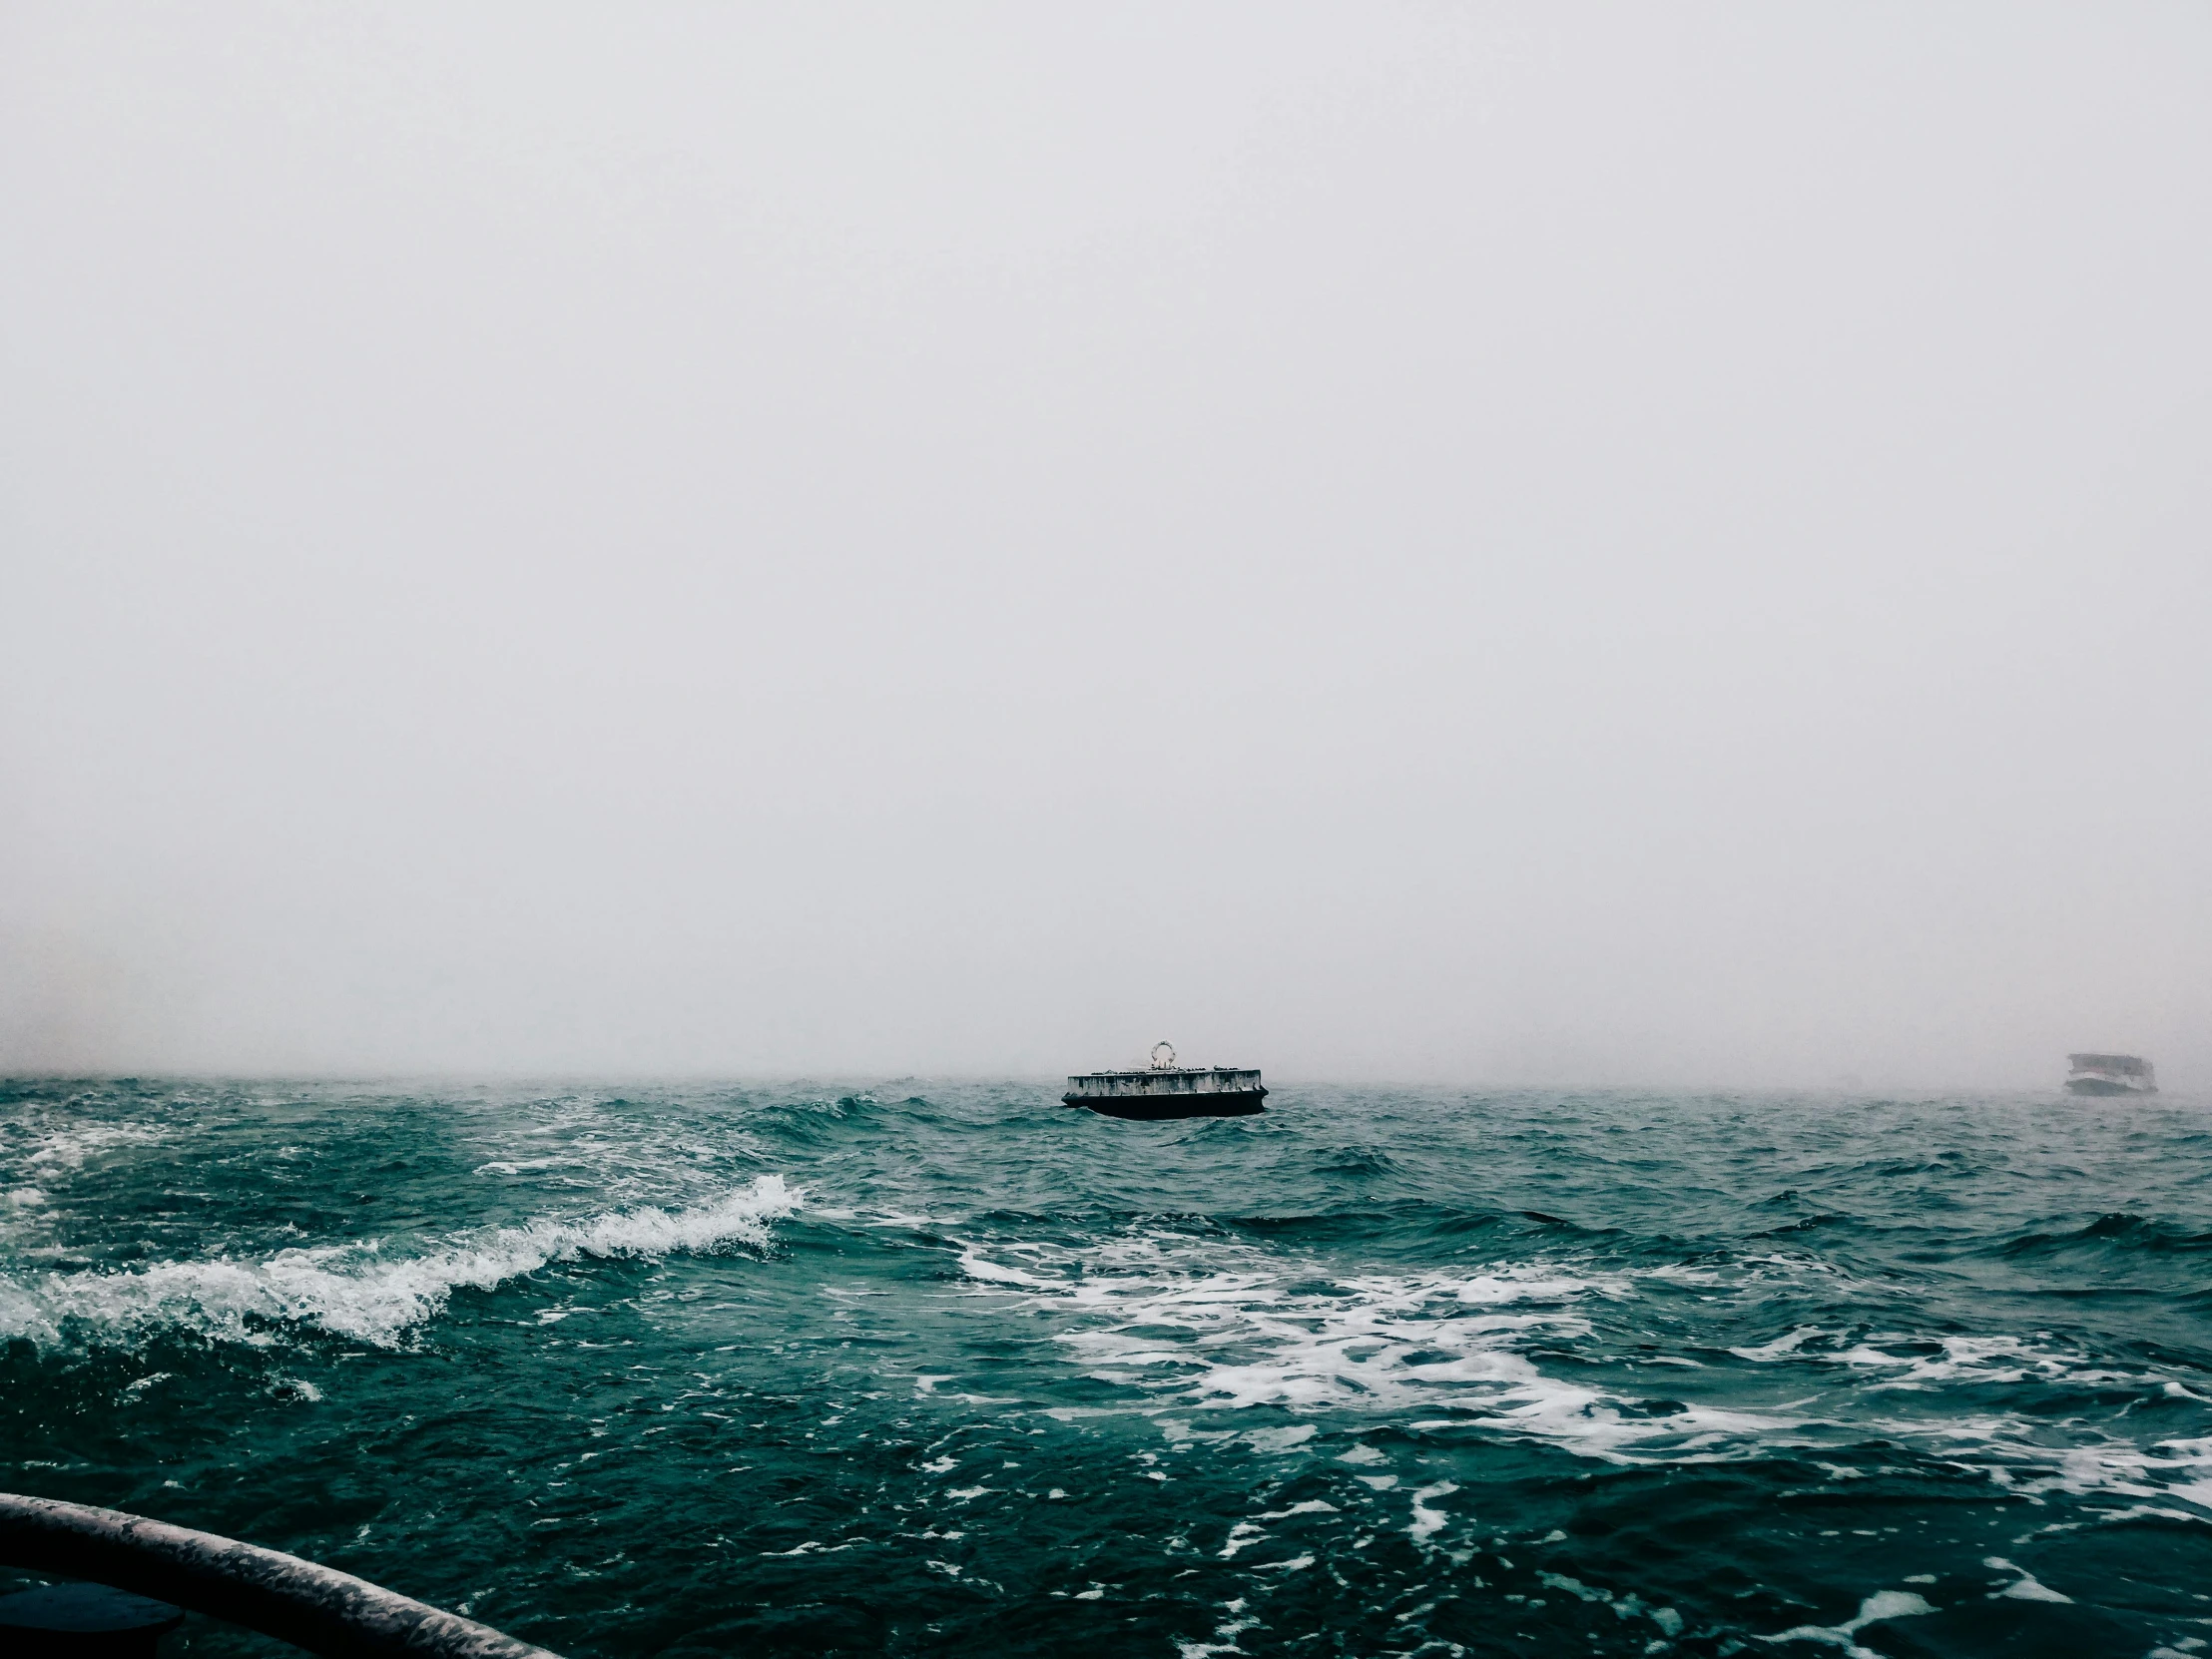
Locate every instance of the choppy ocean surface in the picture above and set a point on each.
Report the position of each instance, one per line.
(950, 1369)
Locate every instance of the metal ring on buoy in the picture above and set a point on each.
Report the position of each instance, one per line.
(1163, 1049)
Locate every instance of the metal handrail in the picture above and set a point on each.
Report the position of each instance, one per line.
(318, 1608)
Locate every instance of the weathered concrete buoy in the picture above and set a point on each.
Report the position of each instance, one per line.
(1166, 1090)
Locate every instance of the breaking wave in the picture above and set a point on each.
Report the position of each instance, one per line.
(352, 1289)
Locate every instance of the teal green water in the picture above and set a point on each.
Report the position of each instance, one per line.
(950, 1369)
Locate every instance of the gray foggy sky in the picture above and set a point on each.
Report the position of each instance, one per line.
(1586, 543)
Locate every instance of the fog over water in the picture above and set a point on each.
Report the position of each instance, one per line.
(1486, 543)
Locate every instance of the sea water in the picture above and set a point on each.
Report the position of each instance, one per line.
(947, 1368)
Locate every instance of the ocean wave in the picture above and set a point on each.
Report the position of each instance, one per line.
(2119, 1233)
(352, 1289)
(1405, 1223)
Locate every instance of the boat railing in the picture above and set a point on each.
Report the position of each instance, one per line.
(314, 1607)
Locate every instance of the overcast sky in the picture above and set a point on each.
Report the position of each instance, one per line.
(1643, 543)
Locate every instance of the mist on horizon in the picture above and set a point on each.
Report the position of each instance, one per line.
(1517, 544)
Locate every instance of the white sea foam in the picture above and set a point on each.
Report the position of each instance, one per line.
(2012, 1450)
(1878, 1608)
(1244, 1329)
(72, 1147)
(1961, 1359)
(356, 1290)
(1203, 1325)
(2027, 1588)
(2184, 1470)
(1426, 1521)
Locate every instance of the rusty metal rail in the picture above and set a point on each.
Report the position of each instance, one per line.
(325, 1611)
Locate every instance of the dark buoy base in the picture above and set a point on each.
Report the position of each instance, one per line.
(83, 1621)
(1238, 1104)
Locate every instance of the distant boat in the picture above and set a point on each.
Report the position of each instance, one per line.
(1166, 1090)
(2110, 1074)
